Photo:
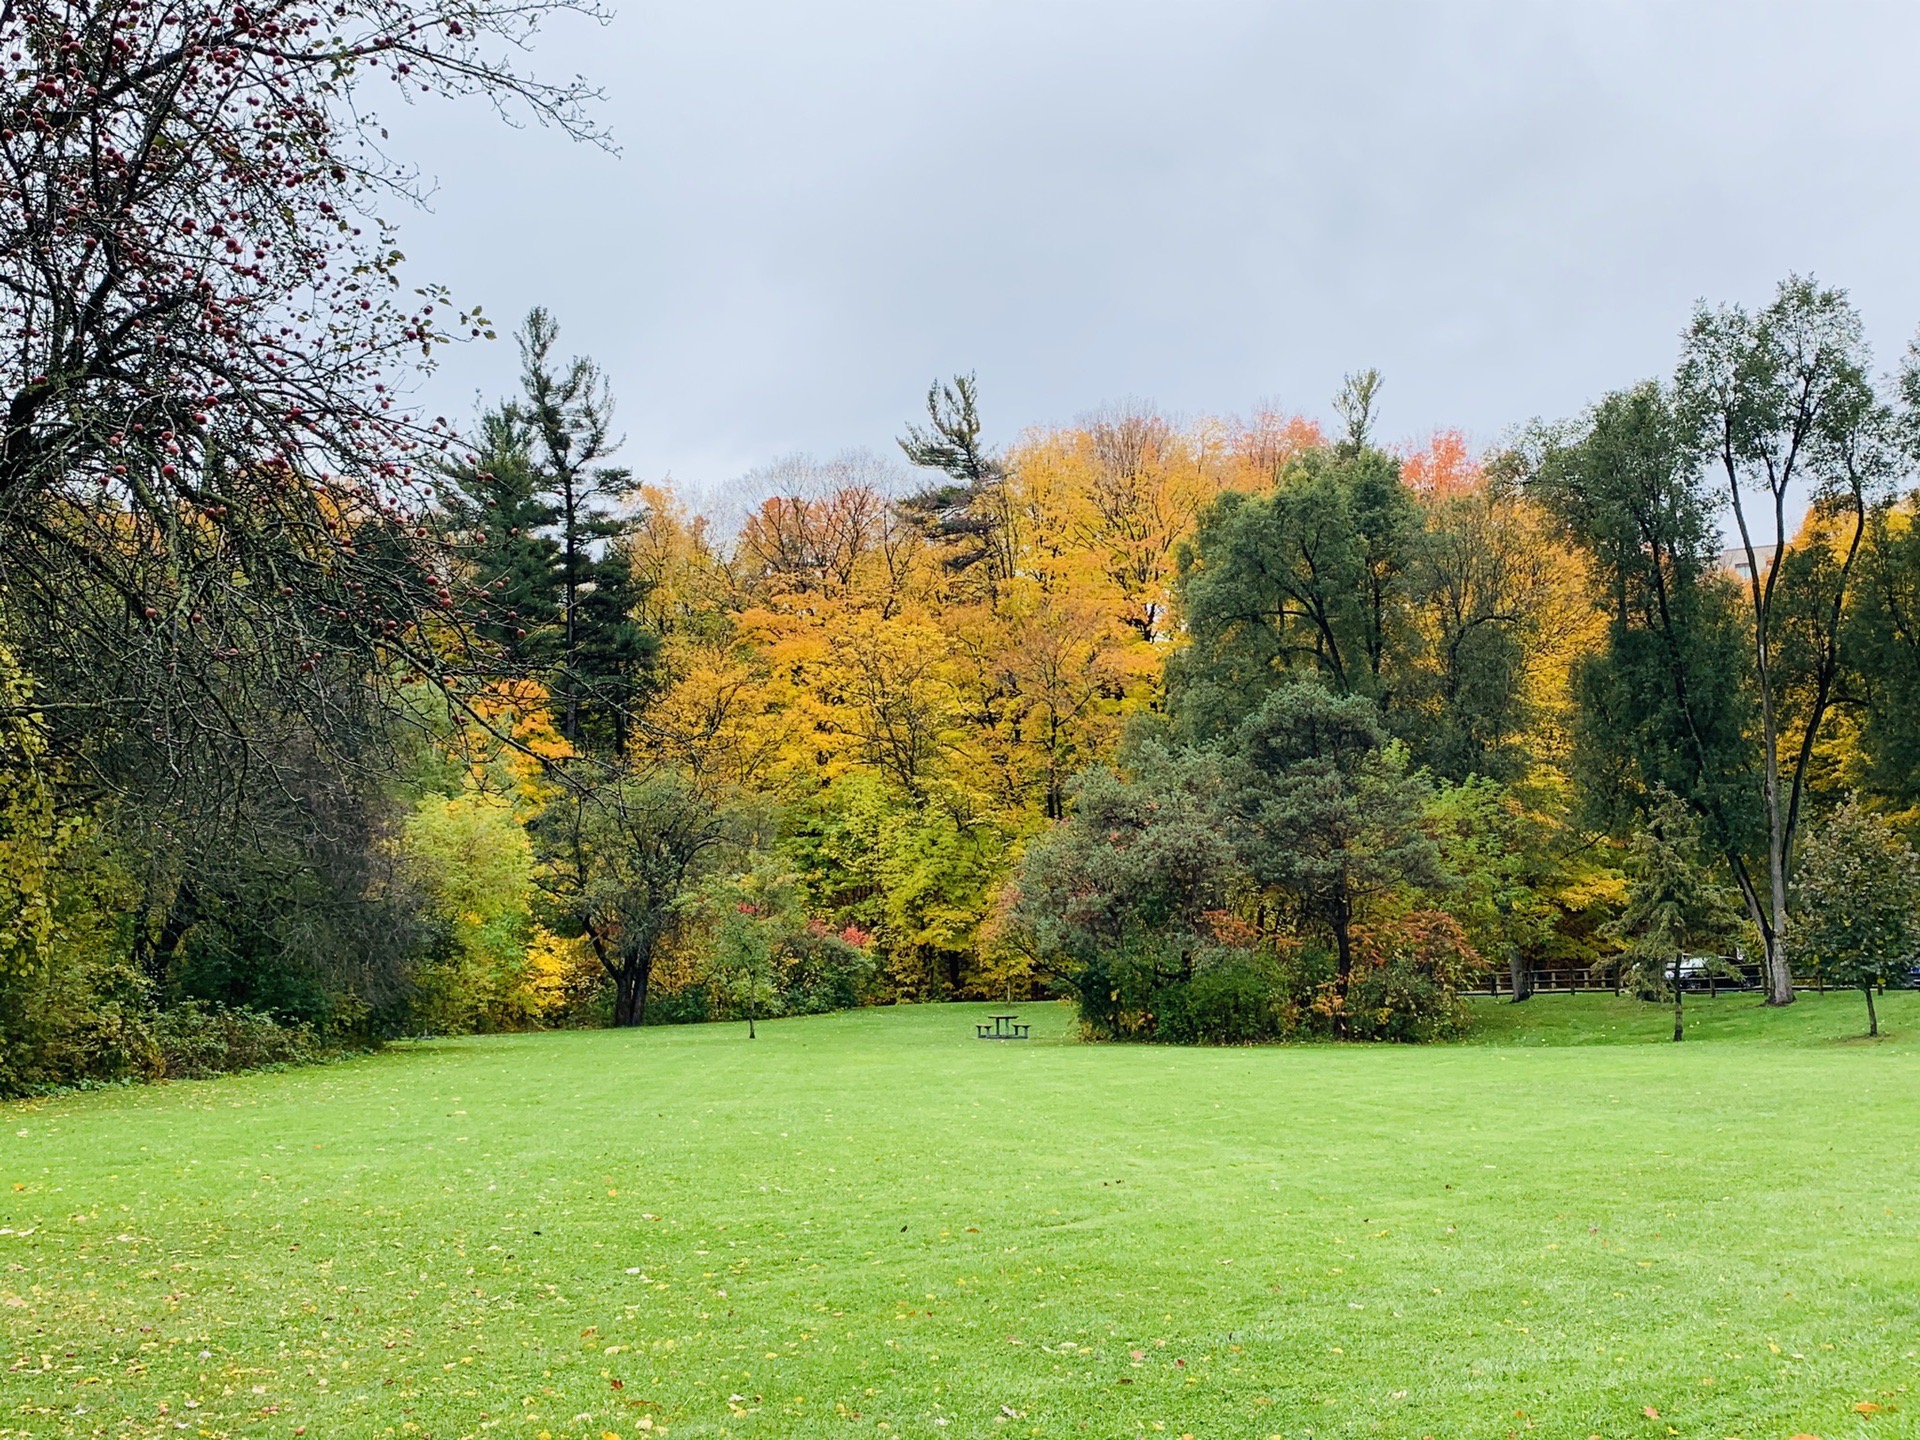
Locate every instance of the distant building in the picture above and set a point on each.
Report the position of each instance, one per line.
(1735, 559)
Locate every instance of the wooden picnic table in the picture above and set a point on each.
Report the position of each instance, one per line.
(1004, 1027)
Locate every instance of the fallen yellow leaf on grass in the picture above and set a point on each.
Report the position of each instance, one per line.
(1865, 1407)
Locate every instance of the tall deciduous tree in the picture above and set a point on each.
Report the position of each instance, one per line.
(1781, 404)
(1491, 582)
(1663, 706)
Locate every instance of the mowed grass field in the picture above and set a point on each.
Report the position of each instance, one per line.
(873, 1224)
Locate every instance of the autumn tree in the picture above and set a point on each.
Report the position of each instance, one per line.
(204, 466)
(1486, 584)
(1880, 644)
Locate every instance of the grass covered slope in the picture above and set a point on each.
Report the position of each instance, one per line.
(873, 1224)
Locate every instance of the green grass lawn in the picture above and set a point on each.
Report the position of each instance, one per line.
(874, 1224)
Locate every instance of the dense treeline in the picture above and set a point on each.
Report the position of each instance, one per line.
(1230, 731)
(322, 723)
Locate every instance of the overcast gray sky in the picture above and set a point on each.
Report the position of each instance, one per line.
(1507, 207)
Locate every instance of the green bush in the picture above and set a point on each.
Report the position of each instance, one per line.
(823, 972)
(78, 1013)
(1405, 986)
(1234, 1003)
(690, 1006)
(197, 1040)
(75, 1024)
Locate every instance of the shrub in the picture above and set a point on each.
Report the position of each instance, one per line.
(823, 971)
(75, 1024)
(1237, 1002)
(1405, 986)
(196, 1040)
(692, 1005)
(1407, 978)
(78, 1013)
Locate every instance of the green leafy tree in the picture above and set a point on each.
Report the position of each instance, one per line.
(1663, 709)
(29, 830)
(1857, 902)
(1323, 813)
(1311, 576)
(770, 957)
(623, 853)
(1500, 865)
(1881, 645)
(1780, 401)
(1674, 903)
(1479, 582)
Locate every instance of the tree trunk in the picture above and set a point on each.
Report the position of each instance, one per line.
(630, 993)
(570, 641)
(1522, 978)
(1679, 1001)
(1873, 1017)
(154, 953)
(1343, 945)
(1779, 971)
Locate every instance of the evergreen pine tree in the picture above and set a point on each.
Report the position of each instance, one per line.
(502, 503)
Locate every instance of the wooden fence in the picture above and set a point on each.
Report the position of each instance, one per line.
(1729, 973)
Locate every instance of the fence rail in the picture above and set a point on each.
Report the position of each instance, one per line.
(1731, 974)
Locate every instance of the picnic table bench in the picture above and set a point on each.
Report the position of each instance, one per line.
(1004, 1027)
